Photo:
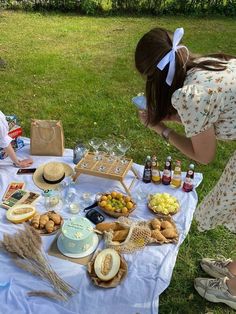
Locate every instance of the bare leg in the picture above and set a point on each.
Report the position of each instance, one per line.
(231, 283)
(232, 267)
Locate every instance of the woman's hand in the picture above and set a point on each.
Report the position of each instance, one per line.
(24, 163)
(158, 128)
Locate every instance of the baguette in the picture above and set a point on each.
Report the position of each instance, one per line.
(120, 235)
(105, 226)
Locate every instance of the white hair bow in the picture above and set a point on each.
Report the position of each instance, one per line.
(169, 58)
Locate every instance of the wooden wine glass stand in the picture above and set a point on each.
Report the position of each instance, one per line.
(113, 170)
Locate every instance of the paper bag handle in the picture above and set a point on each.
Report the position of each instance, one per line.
(40, 135)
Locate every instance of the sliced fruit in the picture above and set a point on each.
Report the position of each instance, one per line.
(20, 213)
(107, 264)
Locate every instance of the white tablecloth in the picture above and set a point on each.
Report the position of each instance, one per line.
(149, 270)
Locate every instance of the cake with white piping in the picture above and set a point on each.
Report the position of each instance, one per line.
(77, 235)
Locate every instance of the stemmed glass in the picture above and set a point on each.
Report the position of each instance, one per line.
(109, 144)
(117, 155)
(95, 143)
(123, 146)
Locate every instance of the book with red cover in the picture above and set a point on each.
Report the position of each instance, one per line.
(15, 132)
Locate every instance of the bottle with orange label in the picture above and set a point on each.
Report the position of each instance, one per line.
(156, 174)
(166, 175)
(176, 179)
(188, 182)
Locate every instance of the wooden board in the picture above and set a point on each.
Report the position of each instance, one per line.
(113, 170)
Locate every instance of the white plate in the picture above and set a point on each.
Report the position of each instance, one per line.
(78, 255)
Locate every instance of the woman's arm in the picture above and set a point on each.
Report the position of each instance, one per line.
(201, 147)
(19, 163)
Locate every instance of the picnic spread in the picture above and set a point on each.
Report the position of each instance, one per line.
(115, 257)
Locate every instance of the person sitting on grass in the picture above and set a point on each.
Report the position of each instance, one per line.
(5, 143)
(200, 93)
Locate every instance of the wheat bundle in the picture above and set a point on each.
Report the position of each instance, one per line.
(25, 247)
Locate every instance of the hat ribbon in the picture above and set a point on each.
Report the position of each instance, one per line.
(55, 181)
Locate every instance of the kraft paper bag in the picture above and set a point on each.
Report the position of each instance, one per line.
(46, 138)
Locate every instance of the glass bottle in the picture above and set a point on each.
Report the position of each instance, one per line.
(176, 179)
(156, 174)
(166, 176)
(147, 172)
(78, 152)
(188, 182)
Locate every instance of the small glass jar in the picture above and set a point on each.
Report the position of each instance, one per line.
(52, 200)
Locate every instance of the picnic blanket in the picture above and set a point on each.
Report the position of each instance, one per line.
(149, 270)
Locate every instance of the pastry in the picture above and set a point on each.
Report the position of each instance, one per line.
(166, 224)
(120, 235)
(169, 233)
(49, 226)
(35, 221)
(156, 234)
(55, 217)
(156, 223)
(105, 226)
(43, 220)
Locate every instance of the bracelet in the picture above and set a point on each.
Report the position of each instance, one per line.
(16, 164)
(166, 134)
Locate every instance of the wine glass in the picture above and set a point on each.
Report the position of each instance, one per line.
(108, 145)
(95, 143)
(117, 155)
(123, 146)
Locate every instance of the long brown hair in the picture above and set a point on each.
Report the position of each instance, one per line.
(151, 48)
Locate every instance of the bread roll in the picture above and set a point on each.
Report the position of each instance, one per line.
(43, 220)
(49, 226)
(156, 224)
(156, 234)
(169, 233)
(105, 226)
(55, 217)
(166, 224)
(120, 235)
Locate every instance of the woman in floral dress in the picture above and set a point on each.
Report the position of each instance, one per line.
(199, 93)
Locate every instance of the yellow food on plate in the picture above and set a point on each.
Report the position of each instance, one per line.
(20, 213)
(116, 203)
(163, 203)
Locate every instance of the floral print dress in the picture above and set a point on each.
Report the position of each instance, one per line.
(208, 98)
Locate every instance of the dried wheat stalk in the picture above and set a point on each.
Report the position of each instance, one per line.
(25, 249)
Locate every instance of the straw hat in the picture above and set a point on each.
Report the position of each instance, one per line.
(49, 175)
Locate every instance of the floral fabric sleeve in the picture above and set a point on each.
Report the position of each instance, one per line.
(198, 108)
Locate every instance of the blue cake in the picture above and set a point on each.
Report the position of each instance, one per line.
(77, 235)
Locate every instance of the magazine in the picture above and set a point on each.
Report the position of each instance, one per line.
(20, 197)
(13, 187)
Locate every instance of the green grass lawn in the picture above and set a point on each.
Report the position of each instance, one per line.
(81, 70)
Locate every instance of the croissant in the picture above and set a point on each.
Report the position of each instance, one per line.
(35, 221)
(55, 217)
(169, 233)
(43, 220)
(156, 224)
(156, 234)
(166, 224)
(49, 226)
